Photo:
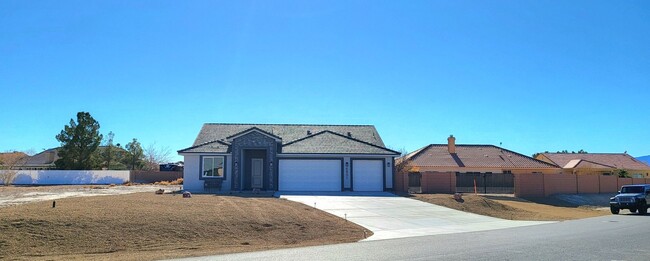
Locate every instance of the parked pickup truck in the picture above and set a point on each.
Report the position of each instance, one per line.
(632, 197)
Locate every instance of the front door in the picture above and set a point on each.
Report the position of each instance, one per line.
(257, 168)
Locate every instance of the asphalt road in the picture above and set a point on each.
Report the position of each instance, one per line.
(621, 237)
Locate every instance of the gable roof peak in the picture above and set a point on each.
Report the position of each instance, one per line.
(253, 129)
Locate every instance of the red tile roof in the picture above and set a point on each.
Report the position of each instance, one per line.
(616, 160)
(437, 155)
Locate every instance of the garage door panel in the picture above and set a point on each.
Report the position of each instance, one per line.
(309, 175)
(368, 175)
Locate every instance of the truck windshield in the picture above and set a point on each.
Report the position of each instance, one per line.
(631, 189)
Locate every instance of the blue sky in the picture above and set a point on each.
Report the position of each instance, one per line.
(532, 75)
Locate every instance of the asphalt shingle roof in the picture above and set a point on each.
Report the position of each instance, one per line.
(13, 158)
(330, 142)
(213, 146)
(288, 132)
(437, 155)
(46, 157)
(616, 160)
(299, 138)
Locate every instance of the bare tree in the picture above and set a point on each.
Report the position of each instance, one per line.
(9, 164)
(154, 156)
(402, 163)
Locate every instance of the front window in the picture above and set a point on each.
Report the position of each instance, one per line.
(213, 167)
(632, 190)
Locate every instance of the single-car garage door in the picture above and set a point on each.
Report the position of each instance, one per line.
(368, 175)
(309, 175)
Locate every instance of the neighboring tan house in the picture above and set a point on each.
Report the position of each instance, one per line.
(465, 158)
(597, 163)
(41, 161)
(12, 160)
(288, 157)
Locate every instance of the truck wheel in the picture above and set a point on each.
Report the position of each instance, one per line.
(643, 210)
(632, 210)
(614, 210)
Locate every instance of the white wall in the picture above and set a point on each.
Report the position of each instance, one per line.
(70, 177)
(389, 173)
(192, 171)
(227, 182)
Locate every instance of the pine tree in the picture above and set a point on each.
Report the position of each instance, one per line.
(79, 141)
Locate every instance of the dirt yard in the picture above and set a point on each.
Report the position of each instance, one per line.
(509, 207)
(145, 226)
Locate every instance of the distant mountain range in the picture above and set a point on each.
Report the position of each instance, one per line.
(645, 159)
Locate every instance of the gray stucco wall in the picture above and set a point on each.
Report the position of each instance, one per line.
(254, 140)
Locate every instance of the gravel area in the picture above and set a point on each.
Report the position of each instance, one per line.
(17, 195)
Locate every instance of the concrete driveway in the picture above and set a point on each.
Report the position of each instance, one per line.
(390, 216)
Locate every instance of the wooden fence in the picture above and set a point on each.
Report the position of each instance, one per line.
(154, 176)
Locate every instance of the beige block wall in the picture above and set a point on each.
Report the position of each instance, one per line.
(588, 184)
(560, 184)
(493, 170)
(401, 182)
(545, 185)
(529, 185)
(438, 182)
(431, 182)
(608, 184)
(624, 181)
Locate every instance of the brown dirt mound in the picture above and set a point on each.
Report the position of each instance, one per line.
(508, 207)
(148, 226)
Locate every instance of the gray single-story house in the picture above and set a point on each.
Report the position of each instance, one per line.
(288, 157)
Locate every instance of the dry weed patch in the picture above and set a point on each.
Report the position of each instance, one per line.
(178, 181)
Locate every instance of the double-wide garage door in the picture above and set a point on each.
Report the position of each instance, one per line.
(310, 175)
(326, 175)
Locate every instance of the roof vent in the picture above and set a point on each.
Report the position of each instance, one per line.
(308, 132)
(349, 134)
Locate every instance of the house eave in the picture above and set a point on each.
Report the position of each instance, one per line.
(203, 153)
(334, 154)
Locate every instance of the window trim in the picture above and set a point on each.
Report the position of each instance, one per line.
(202, 162)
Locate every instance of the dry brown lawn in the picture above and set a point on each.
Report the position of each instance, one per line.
(512, 208)
(145, 226)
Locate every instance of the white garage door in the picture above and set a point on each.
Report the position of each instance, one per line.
(368, 175)
(309, 175)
